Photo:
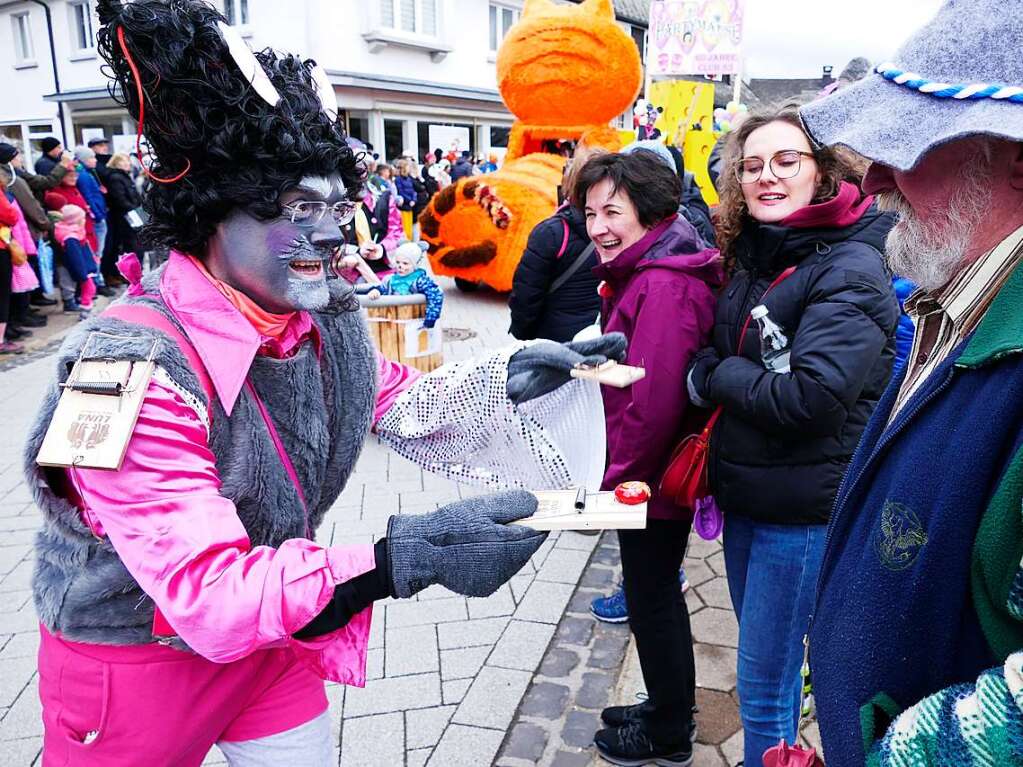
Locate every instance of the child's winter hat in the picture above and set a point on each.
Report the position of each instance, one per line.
(71, 214)
(413, 251)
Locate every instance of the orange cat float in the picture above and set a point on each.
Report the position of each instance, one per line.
(564, 71)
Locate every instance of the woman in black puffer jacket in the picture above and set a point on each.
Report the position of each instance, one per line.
(122, 198)
(780, 448)
(555, 245)
(784, 439)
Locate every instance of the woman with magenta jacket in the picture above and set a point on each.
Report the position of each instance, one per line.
(658, 288)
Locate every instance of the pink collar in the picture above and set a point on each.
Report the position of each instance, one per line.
(225, 341)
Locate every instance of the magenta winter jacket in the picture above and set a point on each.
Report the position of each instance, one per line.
(662, 298)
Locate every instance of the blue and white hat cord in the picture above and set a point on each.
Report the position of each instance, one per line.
(962, 92)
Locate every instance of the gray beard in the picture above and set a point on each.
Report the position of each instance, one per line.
(308, 296)
(931, 254)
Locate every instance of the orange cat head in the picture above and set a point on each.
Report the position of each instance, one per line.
(568, 64)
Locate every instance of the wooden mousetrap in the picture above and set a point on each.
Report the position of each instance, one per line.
(96, 414)
(610, 373)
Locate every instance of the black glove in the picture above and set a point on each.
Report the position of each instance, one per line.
(543, 367)
(466, 546)
(352, 597)
(702, 366)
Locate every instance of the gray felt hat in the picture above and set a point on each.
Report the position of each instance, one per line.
(960, 75)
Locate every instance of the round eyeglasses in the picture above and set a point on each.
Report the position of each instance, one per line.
(784, 164)
(311, 212)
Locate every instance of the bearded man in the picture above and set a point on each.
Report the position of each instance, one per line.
(916, 644)
(183, 601)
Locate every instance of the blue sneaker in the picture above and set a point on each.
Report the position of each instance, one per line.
(612, 609)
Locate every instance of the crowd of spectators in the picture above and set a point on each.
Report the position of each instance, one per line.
(63, 225)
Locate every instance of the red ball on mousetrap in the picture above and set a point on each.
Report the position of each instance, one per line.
(632, 493)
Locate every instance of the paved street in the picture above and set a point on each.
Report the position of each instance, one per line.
(515, 679)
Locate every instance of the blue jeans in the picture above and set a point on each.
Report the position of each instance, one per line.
(101, 240)
(101, 235)
(772, 578)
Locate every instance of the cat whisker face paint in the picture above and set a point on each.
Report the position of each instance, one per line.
(282, 264)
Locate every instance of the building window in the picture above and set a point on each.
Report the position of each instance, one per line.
(417, 17)
(502, 18)
(24, 53)
(441, 138)
(499, 136)
(88, 126)
(35, 133)
(393, 139)
(80, 21)
(236, 12)
(423, 130)
(358, 128)
(26, 137)
(638, 35)
(12, 134)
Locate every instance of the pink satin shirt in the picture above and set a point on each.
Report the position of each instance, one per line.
(182, 540)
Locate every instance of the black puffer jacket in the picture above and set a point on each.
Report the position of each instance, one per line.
(783, 442)
(559, 316)
(122, 196)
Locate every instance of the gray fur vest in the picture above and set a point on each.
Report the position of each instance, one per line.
(322, 409)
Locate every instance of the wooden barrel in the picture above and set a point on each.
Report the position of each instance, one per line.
(387, 318)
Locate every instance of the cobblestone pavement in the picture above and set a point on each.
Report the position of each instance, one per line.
(514, 679)
(591, 665)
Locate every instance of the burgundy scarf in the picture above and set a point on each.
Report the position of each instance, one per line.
(844, 209)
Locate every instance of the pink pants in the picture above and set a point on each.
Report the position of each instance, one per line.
(88, 292)
(117, 706)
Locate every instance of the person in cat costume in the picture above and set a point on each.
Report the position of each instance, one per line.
(182, 599)
(565, 70)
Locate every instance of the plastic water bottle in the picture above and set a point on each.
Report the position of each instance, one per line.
(774, 345)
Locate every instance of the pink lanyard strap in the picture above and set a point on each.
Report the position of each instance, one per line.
(289, 467)
(145, 315)
(141, 314)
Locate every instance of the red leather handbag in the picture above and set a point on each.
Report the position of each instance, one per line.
(685, 479)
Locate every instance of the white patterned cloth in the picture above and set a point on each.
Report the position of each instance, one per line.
(458, 422)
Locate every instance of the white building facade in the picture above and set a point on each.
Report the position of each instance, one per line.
(398, 66)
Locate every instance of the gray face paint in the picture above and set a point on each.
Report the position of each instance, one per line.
(280, 265)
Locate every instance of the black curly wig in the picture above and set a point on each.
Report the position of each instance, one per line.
(200, 113)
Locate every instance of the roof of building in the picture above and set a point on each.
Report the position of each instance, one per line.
(775, 91)
(634, 11)
(408, 85)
